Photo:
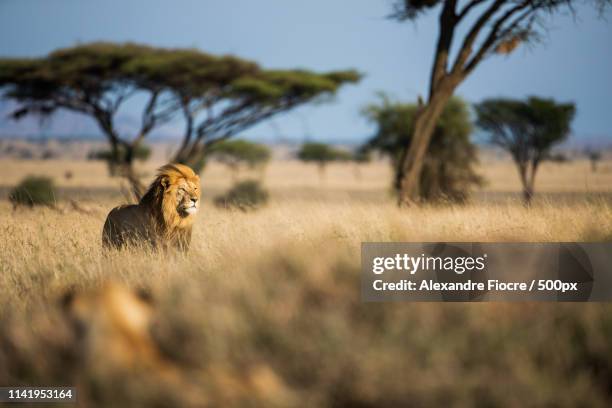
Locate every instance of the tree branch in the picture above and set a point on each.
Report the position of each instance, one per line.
(448, 21)
(468, 7)
(189, 119)
(123, 96)
(470, 38)
(496, 33)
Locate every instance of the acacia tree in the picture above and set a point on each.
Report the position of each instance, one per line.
(234, 153)
(360, 157)
(594, 157)
(527, 130)
(219, 95)
(471, 30)
(448, 170)
(322, 154)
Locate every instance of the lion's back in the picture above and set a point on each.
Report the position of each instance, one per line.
(126, 224)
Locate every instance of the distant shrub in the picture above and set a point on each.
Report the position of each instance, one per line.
(49, 154)
(33, 190)
(594, 157)
(117, 165)
(558, 158)
(246, 195)
(322, 154)
(141, 153)
(362, 155)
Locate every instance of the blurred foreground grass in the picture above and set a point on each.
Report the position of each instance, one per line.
(265, 311)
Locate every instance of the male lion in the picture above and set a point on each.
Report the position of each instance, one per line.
(164, 216)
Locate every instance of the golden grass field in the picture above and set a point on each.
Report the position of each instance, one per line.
(343, 208)
(264, 310)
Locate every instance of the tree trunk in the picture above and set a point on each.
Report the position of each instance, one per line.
(528, 181)
(357, 172)
(530, 191)
(138, 189)
(195, 159)
(321, 169)
(117, 164)
(527, 195)
(193, 154)
(182, 155)
(409, 169)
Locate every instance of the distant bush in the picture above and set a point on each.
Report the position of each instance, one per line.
(558, 158)
(321, 154)
(142, 153)
(594, 157)
(49, 154)
(33, 190)
(117, 165)
(362, 155)
(246, 195)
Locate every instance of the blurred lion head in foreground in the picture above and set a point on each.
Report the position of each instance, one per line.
(164, 216)
(113, 324)
(114, 333)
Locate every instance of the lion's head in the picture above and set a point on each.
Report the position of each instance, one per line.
(112, 323)
(174, 195)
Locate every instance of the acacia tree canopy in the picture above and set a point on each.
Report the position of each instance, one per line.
(321, 153)
(218, 95)
(239, 151)
(220, 112)
(527, 130)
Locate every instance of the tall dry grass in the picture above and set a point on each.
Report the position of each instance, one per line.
(265, 308)
(43, 249)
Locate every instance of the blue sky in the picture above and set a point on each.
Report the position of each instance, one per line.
(573, 64)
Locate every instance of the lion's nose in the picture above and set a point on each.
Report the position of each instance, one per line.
(194, 200)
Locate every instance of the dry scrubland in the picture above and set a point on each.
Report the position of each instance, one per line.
(264, 310)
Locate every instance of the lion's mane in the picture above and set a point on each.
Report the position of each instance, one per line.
(155, 220)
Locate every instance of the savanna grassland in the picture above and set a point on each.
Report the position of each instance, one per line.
(265, 309)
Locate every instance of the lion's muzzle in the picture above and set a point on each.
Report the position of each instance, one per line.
(191, 208)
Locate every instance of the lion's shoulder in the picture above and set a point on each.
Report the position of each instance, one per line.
(127, 223)
(127, 210)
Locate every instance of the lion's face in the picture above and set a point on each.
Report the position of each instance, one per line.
(112, 323)
(186, 195)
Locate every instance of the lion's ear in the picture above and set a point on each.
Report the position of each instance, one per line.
(144, 294)
(67, 299)
(165, 182)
